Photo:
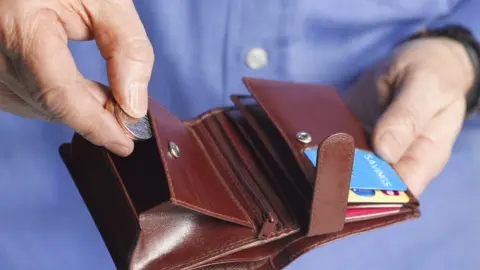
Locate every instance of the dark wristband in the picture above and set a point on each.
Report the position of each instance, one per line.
(466, 38)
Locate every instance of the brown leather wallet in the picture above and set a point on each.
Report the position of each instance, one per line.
(231, 188)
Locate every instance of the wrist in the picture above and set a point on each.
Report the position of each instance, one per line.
(462, 43)
(467, 63)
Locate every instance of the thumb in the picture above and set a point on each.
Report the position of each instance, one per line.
(408, 114)
(124, 44)
(53, 81)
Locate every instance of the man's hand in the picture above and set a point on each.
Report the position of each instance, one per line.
(414, 105)
(38, 76)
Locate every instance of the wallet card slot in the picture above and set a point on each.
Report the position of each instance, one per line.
(264, 134)
(226, 170)
(259, 206)
(292, 196)
(265, 185)
(269, 220)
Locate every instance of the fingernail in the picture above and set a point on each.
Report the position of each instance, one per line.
(385, 147)
(137, 99)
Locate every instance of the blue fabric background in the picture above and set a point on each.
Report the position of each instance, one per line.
(200, 49)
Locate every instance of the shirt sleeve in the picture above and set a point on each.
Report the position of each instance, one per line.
(465, 13)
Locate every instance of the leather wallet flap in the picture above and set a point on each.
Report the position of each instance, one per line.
(315, 110)
(192, 179)
(330, 191)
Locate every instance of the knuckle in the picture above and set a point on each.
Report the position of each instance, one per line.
(54, 101)
(404, 123)
(428, 80)
(425, 76)
(9, 30)
(20, 29)
(410, 121)
(138, 50)
(34, 26)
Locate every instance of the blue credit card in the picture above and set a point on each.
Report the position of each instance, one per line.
(369, 171)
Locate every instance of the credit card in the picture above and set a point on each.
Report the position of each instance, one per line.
(369, 171)
(372, 205)
(353, 214)
(377, 196)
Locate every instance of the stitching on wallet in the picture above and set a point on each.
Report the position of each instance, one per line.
(229, 245)
(350, 160)
(351, 233)
(215, 152)
(320, 166)
(202, 117)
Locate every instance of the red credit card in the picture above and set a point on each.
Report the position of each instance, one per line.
(364, 213)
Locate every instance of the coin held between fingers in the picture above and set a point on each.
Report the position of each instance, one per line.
(135, 129)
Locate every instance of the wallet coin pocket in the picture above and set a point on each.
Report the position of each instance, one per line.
(173, 166)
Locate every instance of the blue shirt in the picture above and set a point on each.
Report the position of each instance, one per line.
(201, 49)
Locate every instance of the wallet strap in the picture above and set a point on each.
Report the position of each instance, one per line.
(332, 184)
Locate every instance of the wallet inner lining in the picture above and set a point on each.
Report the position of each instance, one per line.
(245, 177)
(143, 175)
(287, 190)
(274, 142)
(268, 186)
(226, 169)
(269, 136)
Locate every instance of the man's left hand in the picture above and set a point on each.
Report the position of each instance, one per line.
(413, 103)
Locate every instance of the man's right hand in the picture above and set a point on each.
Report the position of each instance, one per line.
(38, 76)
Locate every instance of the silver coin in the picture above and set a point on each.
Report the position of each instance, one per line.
(135, 129)
(140, 129)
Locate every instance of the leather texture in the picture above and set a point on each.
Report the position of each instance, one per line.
(241, 194)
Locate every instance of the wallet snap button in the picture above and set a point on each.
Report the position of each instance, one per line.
(173, 149)
(303, 137)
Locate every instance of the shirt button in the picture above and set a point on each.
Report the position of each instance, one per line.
(256, 58)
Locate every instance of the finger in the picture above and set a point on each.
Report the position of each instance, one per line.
(419, 98)
(10, 102)
(124, 44)
(99, 91)
(75, 21)
(368, 96)
(9, 81)
(62, 89)
(430, 152)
